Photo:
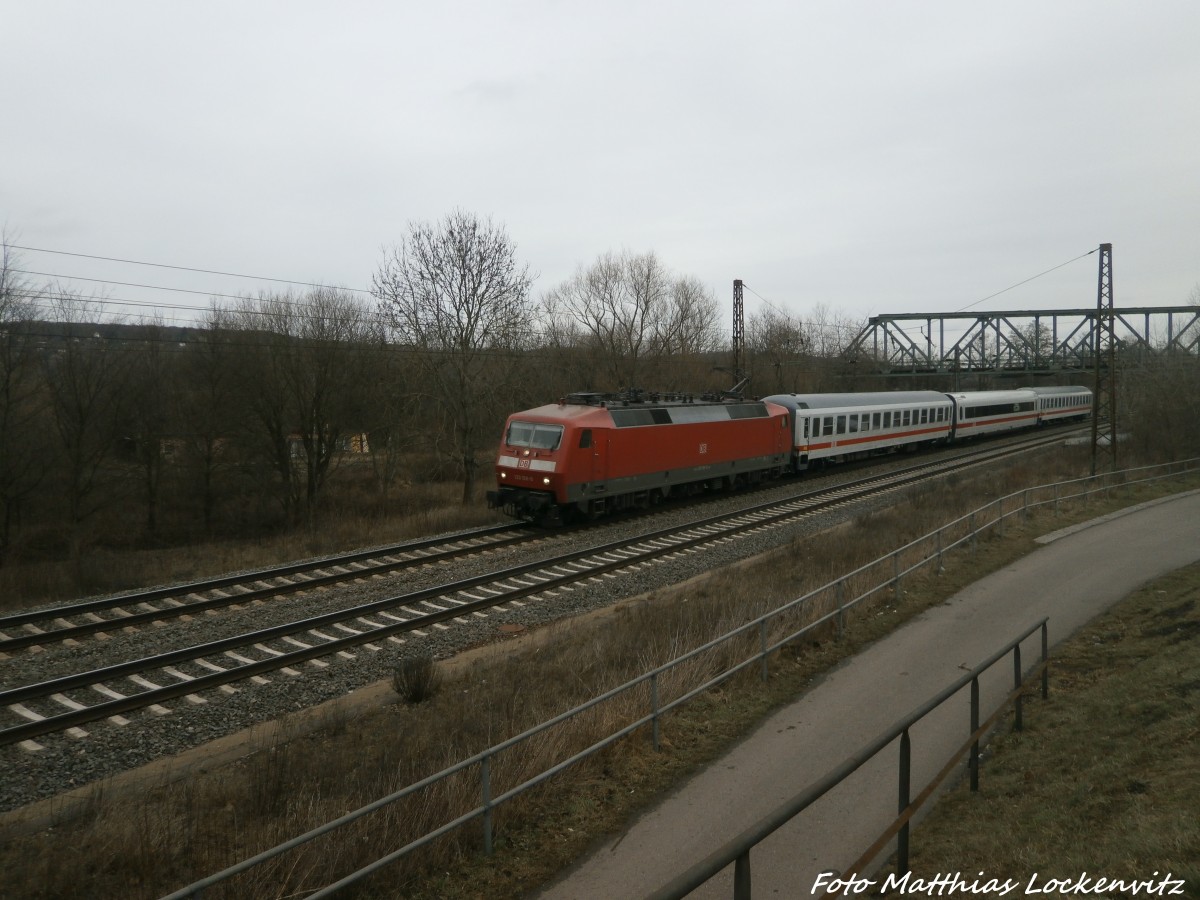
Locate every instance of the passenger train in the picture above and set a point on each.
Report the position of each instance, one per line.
(591, 454)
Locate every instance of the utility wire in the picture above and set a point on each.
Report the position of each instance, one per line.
(822, 325)
(134, 262)
(157, 287)
(1027, 280)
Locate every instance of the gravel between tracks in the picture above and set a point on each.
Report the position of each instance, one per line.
(66, 762)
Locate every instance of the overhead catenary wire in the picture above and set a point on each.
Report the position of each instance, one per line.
(161, 287)
(834, 326)
(134, 262)
(1027, 280)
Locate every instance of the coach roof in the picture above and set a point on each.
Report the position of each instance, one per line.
(854, 401)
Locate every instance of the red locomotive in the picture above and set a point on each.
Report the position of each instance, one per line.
(591, 454)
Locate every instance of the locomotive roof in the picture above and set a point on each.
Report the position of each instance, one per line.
(634, 398)
(634, 414)
(840, 401)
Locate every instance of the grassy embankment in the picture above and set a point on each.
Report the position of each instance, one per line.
(430, 508)
(1105, 777)
(177, 832)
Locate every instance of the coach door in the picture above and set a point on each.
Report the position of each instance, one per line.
(598, 468)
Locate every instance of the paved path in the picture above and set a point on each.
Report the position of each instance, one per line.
(1077, 574)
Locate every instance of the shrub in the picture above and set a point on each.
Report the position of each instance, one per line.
(416, 679)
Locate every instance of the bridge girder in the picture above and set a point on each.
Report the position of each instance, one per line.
(1053, 340)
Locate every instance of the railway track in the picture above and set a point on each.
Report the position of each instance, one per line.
(201, 674)
(72, 622)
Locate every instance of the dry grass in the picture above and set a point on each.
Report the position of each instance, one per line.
(430, 509)
(1105, 778)
(177, 833)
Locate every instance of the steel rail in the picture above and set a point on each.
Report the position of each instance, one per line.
(53, 635)
(656, 544)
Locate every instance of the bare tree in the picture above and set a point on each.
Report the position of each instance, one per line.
(1039, 342)
(24, 439)
(304, 381)
(209, 408)
(776, 348)
(391, 419)
(455, 296)
(151, 390)
(612, 302)
(691, 325)
(632, 317)
(85, 377)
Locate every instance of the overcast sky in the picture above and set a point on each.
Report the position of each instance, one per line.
(866, 156)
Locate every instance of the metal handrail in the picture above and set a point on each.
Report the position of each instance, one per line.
(760, 624)
(737, 850)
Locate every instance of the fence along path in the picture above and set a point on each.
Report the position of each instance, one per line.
(884, 574)
(1071, 580)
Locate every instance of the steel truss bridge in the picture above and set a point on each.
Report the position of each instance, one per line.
(1019, 341)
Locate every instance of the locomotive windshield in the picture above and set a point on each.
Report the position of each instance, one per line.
(535, 435)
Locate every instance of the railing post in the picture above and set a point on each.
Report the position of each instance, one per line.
(939, 550)
(904, 800)
(1045, 661)
(741, 877)
(840, 594)
(1018, 719)
(485, 775)
(973, 764)
(762, 647)
(654, 710)
(971, 525)
(896, 574)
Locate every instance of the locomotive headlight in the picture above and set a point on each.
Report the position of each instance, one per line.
(545, 481)
(503, 474)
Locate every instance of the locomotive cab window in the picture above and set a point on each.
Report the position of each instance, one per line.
(585, 438)
(534, 435)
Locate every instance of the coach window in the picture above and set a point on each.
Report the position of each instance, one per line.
(924, 417)
(904, 417)
(887, 420)
(585, 438)
(841, 424)
(828, 425)
(875, 421)
(853, 425)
